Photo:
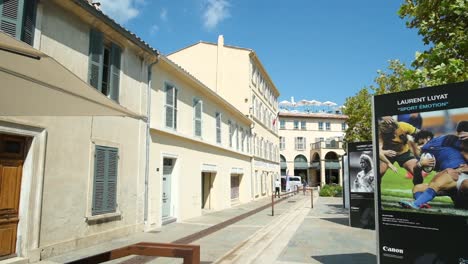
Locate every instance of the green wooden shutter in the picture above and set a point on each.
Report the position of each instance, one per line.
(11, 14)
(29, 21)
(115, 72)
(96, 50)
(105, 180)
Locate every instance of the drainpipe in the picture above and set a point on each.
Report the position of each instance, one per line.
(148, 136)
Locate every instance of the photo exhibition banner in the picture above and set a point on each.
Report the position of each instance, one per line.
(421, 143)
(361, 185)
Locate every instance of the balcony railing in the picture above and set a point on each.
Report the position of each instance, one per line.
(327, 145)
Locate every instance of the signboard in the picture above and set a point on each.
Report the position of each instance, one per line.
(422, 185)
(345, 181)
(361, 185)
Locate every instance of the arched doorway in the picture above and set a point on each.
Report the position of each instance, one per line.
(283, 164)
(332, 168)
(315, 170)
(301, 166)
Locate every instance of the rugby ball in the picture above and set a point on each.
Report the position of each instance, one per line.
(424, 157)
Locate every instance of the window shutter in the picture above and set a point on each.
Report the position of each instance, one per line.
(99, 180)
(112, 162)
(96, 50)
(105, 180)
(197, 104)
(10, 17)
(29, 21)
(116, 54)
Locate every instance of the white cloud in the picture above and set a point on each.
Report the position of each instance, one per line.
(121, 10)
(215, 12)
(154, 29)
(163, 14)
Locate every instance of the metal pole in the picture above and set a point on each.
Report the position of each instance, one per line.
(272, 205)
(311, 198)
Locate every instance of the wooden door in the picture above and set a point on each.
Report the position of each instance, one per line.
(11, 168)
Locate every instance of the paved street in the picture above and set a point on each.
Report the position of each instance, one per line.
(295, 234)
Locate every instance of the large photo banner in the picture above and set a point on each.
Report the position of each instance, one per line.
(421, 143)
(361, 185)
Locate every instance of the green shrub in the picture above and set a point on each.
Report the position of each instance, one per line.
(331, 190)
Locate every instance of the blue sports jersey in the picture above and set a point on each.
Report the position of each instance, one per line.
(446, 150)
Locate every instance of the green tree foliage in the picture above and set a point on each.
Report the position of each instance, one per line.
(443, 26)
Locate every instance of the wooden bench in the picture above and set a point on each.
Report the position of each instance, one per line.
(190, 253)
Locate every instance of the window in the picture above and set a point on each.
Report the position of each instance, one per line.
(197, 116)
(104, 65)
(296, 124)
(282, 143)
(343, 126)
(282, 124)
(105, 180)
(171, 106)
(254, 75)
(254, 106)
(320, 125)
(237, 137)
(303, 125)
(242, 136)
(231, 132)
(218, 127)
(327, 126)
(249, 137)
(300, 143)
(17, 19)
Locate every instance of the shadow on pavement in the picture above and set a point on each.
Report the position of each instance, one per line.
(340, 220)
(360, 258)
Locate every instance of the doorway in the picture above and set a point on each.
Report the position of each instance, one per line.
(168, 167)
(12, 149)
(207, 181)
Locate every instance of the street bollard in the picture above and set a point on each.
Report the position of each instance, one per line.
(272, 205)
(311, 198)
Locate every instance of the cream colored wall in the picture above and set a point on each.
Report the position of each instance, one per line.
(190, 156)
(66, 38)
(69, 144)
(192, 152)
(68, 180)
(311, 133)
(191, 58)
(235, 78)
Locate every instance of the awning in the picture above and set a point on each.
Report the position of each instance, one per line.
(283, 165)
(301, 165)
(34, 84)
(333, 165)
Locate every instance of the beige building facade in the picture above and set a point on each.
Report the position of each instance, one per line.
(311, 146)
(237, 75)
(200, 153)
(74, 181)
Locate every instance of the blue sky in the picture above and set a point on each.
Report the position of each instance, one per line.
(312, 49)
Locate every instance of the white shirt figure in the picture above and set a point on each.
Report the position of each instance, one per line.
(364, 181)
(277, 183)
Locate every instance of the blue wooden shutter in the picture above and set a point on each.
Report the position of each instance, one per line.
(11, 14)
(105, 180)
(96, 50)
(29, 21)
(115, 72)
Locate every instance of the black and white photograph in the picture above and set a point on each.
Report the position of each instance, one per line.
(362, 172)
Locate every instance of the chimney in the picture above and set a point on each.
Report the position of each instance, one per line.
(96, 5)
(220, 40)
